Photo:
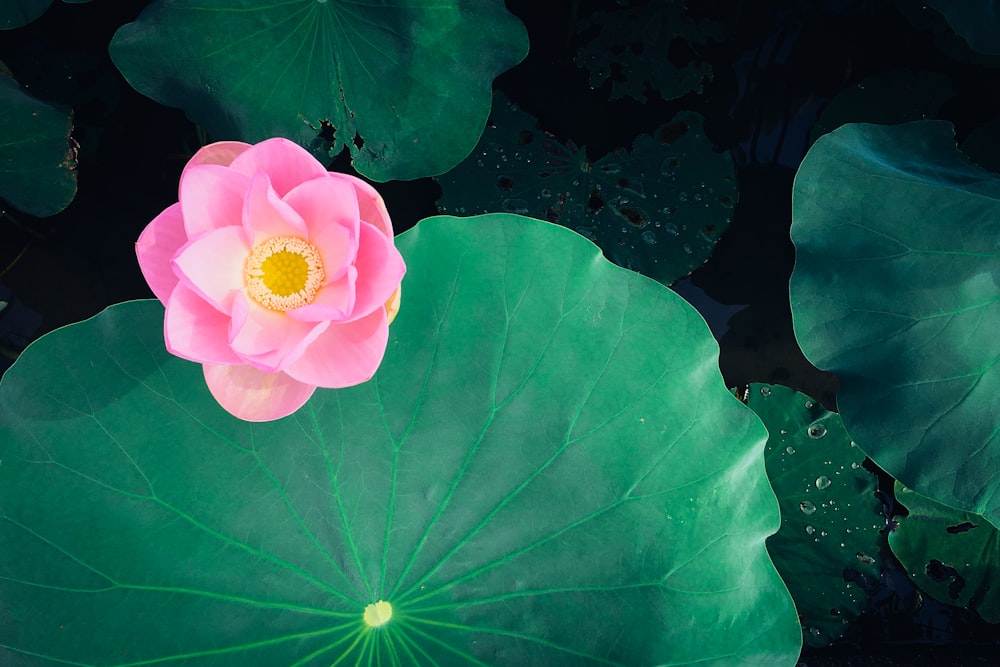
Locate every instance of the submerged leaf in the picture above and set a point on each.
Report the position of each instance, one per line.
(405, 87)
(533, 477)
(658, 208)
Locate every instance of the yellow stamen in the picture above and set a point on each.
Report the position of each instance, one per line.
(283, 272)
(378, 613)
(392, 305)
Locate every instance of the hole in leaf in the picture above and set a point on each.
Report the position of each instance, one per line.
(961, 528)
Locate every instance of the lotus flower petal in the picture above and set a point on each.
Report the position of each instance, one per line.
(220, 152)
(157, 245)
(344, 355)
(265, 215)
(332, 229)
(287, 163)
(254, 395)
(194, 330)
(212, 265)
(211, 197)
(380, 270)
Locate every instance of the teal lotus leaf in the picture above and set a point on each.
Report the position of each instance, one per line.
(16, 13)
(405, 87)
(658, 209)
(896, 288)
(547, 469)
(977, 21)
(950, 554)
(830, 517)
(37, 155)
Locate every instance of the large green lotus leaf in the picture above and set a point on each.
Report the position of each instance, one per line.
(896, 288)
(547, 469)
(658, 208)
(37, 155)
(953, 555)
(830, 517)
(406, 86)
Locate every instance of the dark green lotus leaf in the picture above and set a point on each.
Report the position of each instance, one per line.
(658, 209)
(632, 49)
(830, 517)
(529, 479)
(37, 155)
(977, 21)
(406, 87)
(950, 554)
(895, 96)
(16, 13)
(896, 288)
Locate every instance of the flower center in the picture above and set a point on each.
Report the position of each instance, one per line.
(378, 613)
(283, 272)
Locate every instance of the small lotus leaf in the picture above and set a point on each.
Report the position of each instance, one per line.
(830, 517)
(658, 209)
(951, 554)
(37, 155)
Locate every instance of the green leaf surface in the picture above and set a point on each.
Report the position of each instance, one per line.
(953, 555)
(830, 517)
(405, 86)
(533, 477)
(896, 288)
(37, 155)
(658, 208)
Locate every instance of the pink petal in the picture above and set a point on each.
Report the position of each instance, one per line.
(370, 204)
(265, 215)
(329, 207)
(212, 265)
(334, 301)
(254, 395)
(345, 354)
(211, 198)
(220, 152)
(287, 163)
(158, 243)
(194, 330)
(380, 270)
(268, 339)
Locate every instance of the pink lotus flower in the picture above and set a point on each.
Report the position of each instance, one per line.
(277, 275)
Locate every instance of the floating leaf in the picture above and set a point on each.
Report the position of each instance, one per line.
(16, 13)
(658, 209)
(885, 98)
(533, 477)
(977, 21)
(896, 288)
(830, 517)
(632, 48)
(37, 155)
(405, 86)
(953, 555)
